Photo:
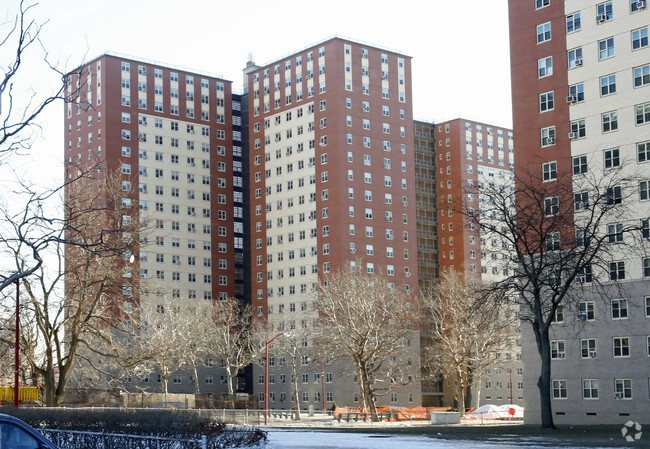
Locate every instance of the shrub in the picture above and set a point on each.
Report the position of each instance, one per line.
(159, 422)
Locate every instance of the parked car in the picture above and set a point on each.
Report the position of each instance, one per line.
(17, 434)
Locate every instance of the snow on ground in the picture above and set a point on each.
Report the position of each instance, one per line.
(304, 439)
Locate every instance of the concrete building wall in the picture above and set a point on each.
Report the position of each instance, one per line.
(599, 344)
(171, 137)
(332, 154)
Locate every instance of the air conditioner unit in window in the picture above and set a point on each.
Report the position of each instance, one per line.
(407, 274)
(353, 250)
(561, 355)
(578, 62)
(582, 316)
(600, 18)
(619, 395)
(572, 99)
(641, 4)
(550, 141)
(592, 354)
(573, 135)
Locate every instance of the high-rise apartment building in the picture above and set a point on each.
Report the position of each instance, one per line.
(580, 77)
(173, 138)
(332, 183)
(471, 158)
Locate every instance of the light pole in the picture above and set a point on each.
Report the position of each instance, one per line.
(322, 382)
(510, 375)
(266, 373)
(17, 355)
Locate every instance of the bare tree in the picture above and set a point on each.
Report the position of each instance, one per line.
(553, 242)
(20, 105)
(468, 333)
(20, 108)
(61, 324)
(296, 351)
(228, 336)
(368, 322)
(164, 339)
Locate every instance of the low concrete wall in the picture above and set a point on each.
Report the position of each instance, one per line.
(158, 400)
(445, 417)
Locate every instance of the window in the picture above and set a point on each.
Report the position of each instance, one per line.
(578, 129)
(643, 151)
(640, 38)
(580, 201)
(573, 22)
(579, 165)
(588, 348)
(612, 157)
(621, 346)
(541, 3)
(614, 195)
(559, 389)
(586, 311)
(558, 349)
(615, 233)
(549, 171)
(551, 206)
(642, 75)
(547, 136)
(619, 309)
(623, 388)
(552, 241)
(575, 57)
(545, 67)
(546, 101)
(608, 85)
(576, 93)
(644, 190)
(642, 112)
(610, 121)
(606, 48)
(604, 12)
(585, 275)
(590, 388)
(617, 271)
(543, 32)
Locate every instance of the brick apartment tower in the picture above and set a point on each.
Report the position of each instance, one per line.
(471, 156)
(581, 107)
(332, 183)
(175, 139)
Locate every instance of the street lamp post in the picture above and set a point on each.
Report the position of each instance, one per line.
(322, 382)
(17, 355)
(266, 373)
(510, 375)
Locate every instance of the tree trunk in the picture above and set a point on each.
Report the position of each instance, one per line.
(50, 389)
(544, 381)
(296, 399)
(197, 385)
(231, 386)
(368, 394)
(477, 399)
